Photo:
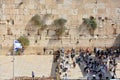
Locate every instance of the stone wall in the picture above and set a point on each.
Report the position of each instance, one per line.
(16, 14)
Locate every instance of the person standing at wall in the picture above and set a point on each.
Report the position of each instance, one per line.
(44, 49)
(33, 75)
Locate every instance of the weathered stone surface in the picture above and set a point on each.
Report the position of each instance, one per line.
(16, 14)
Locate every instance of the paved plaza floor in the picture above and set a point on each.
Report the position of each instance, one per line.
(42, 65)
(75, 73)
(24, 65)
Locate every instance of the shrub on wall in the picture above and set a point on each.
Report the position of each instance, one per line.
(38, 22)
(60, 22)
(24, 41)
(91, 24)
(60, 26)
(60, 31)
(36, 19)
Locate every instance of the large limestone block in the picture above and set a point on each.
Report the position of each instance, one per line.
(59, 1)
(49, 11)
(48, 2)
(65, 6)
(11, 11)
(17, 1)
(16, 11)
(102, 12)
(43, 11)
(60, 11)
(89, 1)
(108, 11)
(27, 18)
(73, 18)
(26, 11)
(7, 11)
(76, 2)
(53, 6)
(75, 6)
(7, 1)
(31, 6)
(3, 29)
(3, 6)
(69, 12)
(21, 11)
(12, 37)
(19, 18)
(42, 1)
(73, 12)
(55, 16)
(8, 6)
(101, 5)
(117, 11)
(55, 12)
(60, 6)
(89, 5)
(4, 44)
(64, 16)
(67, 2)
(32, 11)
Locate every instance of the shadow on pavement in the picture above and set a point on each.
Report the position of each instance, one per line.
(53, 74)
(54, 64)
(117, 42)
(81, 66)
(85, 75)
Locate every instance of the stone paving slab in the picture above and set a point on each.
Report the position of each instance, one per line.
(75, 73)
(24, 65)
(40, 64)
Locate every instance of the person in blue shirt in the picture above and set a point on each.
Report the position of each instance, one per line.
(33, 75)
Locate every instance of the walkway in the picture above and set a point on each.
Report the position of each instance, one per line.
(24, 65)
(40, 64)
(75, 73)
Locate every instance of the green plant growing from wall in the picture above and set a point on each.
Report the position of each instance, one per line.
(91, 24)
(60, 26)
(37, 22)
(60, 31)
(24, 41)
(60, 22)
(36, 19)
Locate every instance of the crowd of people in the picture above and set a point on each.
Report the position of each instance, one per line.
(97, 63)
(66, 61)
(101, 65)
